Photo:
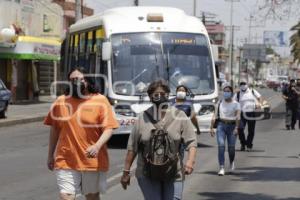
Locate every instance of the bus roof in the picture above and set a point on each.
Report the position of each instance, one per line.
(134, 19)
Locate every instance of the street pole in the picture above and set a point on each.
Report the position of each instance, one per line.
(195, 7)
(231, 56)
(78, 12)
(250, 26)
(231, 41)
(136, 2)
(231, 45)
(240, 63)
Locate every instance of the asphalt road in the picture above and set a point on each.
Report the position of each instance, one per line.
(23, 155)
(271, 171)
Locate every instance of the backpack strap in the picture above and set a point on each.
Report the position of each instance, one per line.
(169, 119)
(218, 110)
(254, 94)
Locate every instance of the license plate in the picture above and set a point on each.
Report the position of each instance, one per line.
(126, 122)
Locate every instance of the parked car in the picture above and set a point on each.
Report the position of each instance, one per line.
(5, 96)
(260, 84)
(273, 83)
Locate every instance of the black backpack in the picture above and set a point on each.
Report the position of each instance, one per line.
(161, 153)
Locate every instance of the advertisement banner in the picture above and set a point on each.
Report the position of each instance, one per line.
(254, 52)
(276, 38)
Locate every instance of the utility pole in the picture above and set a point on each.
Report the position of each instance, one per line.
(136, 2)
(250, 26)
(78, 10)
(251, 19)
(195, 8)
(231, 41)
(232, 29)
(208, 17)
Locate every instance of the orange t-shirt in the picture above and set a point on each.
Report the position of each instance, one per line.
(80, 123)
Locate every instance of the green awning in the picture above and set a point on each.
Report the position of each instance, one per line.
(28, 56)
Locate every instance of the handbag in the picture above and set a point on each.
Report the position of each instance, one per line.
(217, 120)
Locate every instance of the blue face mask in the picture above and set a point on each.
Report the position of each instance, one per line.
(227, 95)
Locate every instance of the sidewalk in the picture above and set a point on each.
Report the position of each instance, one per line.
(26, 113)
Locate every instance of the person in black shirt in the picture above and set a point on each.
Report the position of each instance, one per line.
(182, 102)
(291, 96)
(298, 89)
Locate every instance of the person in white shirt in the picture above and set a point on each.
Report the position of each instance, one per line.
(228, 115)
(249, 100)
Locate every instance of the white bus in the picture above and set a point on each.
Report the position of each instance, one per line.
(129, 47)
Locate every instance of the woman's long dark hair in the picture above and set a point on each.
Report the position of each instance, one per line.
(187, 90)
(91, 85)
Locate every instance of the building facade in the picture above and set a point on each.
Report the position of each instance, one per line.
(30, 37)
(68, 7)
(31, 32)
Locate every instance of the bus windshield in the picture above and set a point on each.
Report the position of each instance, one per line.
(180, 58)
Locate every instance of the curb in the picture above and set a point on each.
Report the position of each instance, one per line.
(13, 122)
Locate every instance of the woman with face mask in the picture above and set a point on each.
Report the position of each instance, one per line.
(228, 114)
(182, 103)
(177, 127)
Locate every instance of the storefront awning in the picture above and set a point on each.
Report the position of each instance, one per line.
(33, 48)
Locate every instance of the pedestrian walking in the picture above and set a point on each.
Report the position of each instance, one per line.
(298, 90)
(81, 123)
(227, 117)
(182, 102)
(250, 101)
(290, 95)
(155, 140)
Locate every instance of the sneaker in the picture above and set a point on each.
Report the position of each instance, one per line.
(249, 149)
(232, 166)
(288, 127)
(221, 172)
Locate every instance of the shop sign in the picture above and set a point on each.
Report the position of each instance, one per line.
(46, 49)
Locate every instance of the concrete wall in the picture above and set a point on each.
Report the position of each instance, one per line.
(39, 18)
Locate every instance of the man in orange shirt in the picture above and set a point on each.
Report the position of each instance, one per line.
(81, 123)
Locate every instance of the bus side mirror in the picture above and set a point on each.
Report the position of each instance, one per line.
(106, 51)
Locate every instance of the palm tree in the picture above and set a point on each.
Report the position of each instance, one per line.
(295, 42)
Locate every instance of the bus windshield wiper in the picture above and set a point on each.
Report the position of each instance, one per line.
(134, 78)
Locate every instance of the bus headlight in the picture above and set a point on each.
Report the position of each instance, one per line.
(207, 109)
(124, 110)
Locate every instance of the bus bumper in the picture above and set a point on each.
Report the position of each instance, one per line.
(204, 122)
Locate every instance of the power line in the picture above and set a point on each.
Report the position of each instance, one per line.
(245, 7)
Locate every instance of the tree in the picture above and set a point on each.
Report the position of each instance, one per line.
(295, 42)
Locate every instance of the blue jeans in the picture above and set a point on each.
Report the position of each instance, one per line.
(226, 131)
(160, 190)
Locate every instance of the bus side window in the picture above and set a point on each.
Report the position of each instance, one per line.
(74, 51)
(90, 55)
(82, 62)
(101, 65)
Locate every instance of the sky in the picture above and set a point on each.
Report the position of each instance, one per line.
(242, 10)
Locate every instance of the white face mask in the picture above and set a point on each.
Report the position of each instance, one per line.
(244, 87)
(181, 95)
